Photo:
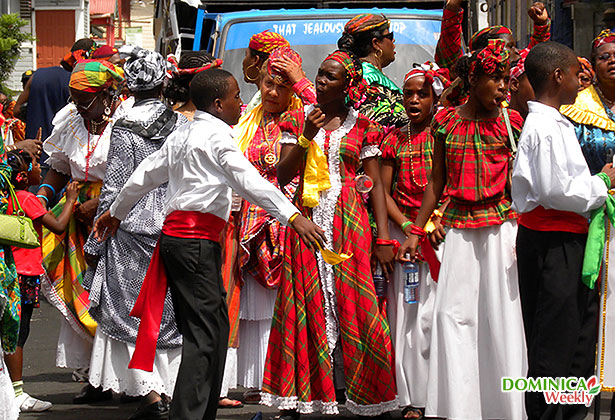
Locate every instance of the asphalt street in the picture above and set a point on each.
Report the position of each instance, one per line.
(43, 380)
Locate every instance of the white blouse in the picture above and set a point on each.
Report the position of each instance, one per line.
(67, 145)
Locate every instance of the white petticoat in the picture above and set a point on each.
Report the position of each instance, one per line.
(109, 368)
(477, 335)
(229, 380)
(73, 350)
(255, 314)
(411, 326)
(8, 405)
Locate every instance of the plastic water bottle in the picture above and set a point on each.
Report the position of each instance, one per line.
(380, 283)
(411, 281)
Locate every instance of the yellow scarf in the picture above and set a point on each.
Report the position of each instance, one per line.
(246, 128)
(315, 175)
(588, 110)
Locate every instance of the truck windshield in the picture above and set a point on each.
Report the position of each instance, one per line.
(315, 38)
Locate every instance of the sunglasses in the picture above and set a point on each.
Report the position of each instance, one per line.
(605, 56)
(80, 106)
(390, 36)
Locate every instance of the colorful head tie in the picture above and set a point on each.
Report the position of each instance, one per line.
(74, 57)
(194, 70)
(94, 76)
(354, 75)
(492, 30)
(438, 78)
(587, 67)
(492, 58)
(267, 41)
(105, 52)
(605, 37)
(280, 77)
(366, 22)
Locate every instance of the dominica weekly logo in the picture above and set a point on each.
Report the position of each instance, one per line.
(571, 390)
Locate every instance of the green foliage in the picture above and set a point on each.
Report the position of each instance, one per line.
(11, 39)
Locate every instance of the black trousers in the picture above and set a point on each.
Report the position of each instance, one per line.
(199, 300)
(560, 314)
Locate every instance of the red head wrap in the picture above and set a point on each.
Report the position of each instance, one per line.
(438, 78)
(366, 22)
(267, 41)
(104, 52)
(605, 37)
(354, 75)
(74, 57)
(281, 77)
(492, 58)
(492, 30)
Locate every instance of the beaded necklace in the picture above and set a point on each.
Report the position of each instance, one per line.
(90, 151)
(421, 157)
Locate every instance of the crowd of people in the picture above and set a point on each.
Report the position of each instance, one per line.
(342, 241)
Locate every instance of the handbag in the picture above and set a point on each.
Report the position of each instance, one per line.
(16, 229)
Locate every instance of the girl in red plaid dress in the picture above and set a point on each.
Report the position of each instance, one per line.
(405, 169)
(477, 335)
(328, 333)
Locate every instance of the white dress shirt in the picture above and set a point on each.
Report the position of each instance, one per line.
(201, 162)
(550, 169)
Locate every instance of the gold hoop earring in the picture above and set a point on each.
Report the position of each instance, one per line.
(378, 53)
(251, 79)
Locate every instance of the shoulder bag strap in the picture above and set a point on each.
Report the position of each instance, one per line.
(511, 137)
(16, 204)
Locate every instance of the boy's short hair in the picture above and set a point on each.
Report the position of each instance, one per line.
(209, 85)
(542, 61)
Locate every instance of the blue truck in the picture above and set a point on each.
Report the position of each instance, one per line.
(313, 33)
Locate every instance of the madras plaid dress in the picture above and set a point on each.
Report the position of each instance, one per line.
(64, 262)
(262, 238)
(10, 297)
(478, 161)
(299, 366)
(412, 159)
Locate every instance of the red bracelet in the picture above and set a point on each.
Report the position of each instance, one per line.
(415, 230)
(393, 242)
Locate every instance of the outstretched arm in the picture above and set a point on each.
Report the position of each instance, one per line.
(449, 47)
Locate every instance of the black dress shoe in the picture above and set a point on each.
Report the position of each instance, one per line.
(155, 411)
(89, 394)
(127, 399)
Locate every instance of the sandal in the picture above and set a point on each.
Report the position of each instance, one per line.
(226, 402)
(413, 413)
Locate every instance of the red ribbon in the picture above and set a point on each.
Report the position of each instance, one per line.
(429, 256)
(150, 303)
(392, 242)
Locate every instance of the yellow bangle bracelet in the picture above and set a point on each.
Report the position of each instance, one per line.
(437, 213)
(293, 217)
(303, 141)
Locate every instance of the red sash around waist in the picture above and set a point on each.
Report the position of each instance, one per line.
(150, 303)
(549, 220)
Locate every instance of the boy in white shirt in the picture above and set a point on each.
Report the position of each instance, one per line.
(555, 193)
(201, 163)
